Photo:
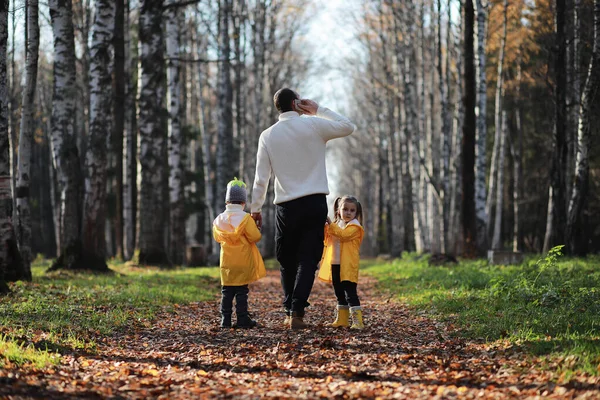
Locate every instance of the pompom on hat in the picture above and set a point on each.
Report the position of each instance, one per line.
(236, 191)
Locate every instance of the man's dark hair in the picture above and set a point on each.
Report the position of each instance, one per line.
(283, 99)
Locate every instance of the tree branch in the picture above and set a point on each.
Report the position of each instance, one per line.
(184, 3)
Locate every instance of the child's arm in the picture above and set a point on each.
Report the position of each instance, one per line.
(252, 232)
(217, 235)
(345, 235)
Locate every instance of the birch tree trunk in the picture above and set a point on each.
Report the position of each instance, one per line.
(151, 240)
(494, 167)
(207, 165)
(444, 80)
(497, 238)
(64, 138)
(101, 97)
(176, 195)
(226, 168)
(469, 222)
(413, 132)
(517, 151)
(481, 212)
(130, 142)
(6, 201)
(22, 192)
(589, 107)
(120, 80)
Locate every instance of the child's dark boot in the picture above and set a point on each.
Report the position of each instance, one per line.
(244, 321)
(225, 320)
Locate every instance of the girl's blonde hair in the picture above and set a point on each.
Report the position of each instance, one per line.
(347, 199)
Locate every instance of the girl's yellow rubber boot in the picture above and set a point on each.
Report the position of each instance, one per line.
(342, 318)
(357, 318)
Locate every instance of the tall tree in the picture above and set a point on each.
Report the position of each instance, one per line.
(130, 139)
(557, 205)
(22, 192)
(499, 139)
(64, 139)
(226, 168)
(481, 211)
(5, 179)
(151, 239)
(101, 97)
(175, 147)
(468, 140)
(588, 109)
(120, 81)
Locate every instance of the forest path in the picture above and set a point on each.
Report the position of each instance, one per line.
(185, 355)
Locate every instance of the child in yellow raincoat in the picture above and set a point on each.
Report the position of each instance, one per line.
(240, 262)
(341, 256)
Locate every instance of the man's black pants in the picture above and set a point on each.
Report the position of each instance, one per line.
(299, 246)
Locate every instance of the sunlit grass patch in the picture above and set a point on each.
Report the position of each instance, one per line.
(14, 353)
(67, 310)
(550, 305)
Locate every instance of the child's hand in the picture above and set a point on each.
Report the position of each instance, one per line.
(329, 220)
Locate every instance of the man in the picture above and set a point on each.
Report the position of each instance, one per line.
(293, 150)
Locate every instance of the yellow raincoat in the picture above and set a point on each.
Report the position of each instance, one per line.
(241, 262)
(350, 239)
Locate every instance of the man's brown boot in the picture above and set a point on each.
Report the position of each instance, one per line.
(297, 322)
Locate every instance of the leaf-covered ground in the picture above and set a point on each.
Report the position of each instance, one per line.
(183, 354)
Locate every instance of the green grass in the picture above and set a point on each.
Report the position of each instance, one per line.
(63, 311)
(549, 306)
(12, 352)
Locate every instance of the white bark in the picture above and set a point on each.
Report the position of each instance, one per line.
(413, 131)
(129, 143)
(481, 213)
(497, 238)
(5, 179)
(101, 97)
(517, 151)
(494, 167)
(152, 138)
(63, 137)
(176, 194)
(26, 136)
(224, 162)
(584, 134)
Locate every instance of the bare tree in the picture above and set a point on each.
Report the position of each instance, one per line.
(588, 109)
(497, 238)
(119, 104)
(556, 221)
(22, 192)
(481, 211)
(64, 138)
(130, 140)
(226, 168)
(101, 97)
(152, 140)
(5, 175)
(176, 184)
(468, 140)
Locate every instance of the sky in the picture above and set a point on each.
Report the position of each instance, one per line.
(334, 36)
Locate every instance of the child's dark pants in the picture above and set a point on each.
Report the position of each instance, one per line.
(345, 291)
(241, 300)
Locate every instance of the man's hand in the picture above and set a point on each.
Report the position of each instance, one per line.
(308, 107)
(257, 217)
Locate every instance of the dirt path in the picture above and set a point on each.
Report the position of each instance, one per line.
(186, 356)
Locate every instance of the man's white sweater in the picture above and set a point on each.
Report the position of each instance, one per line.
(293, 149)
